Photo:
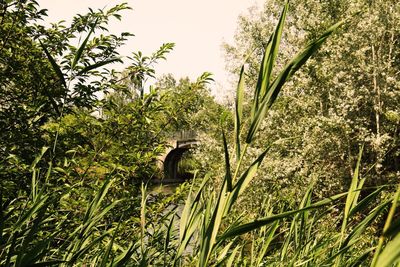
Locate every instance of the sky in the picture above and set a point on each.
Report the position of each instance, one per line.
(198, 29)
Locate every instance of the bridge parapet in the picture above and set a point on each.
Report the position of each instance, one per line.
(185, 135)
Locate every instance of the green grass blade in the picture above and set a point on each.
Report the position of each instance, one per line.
(386, 227)
(38, 158)
(361, 259)
(239, 112)
(271, 53)
(228, 175)
(393, 229)
(96, 202)
(269, 236)
(359, 229)
(245, 228)
(191, 219)
(285, 74)
(81, 252)
(351, 201)
(47, 263)
(222, 254)
(168, 237)
(98, 65)
(30, 251)
(124, 257)
(390, 254)
(232, 257)
(268, 61)
(100, 214)
(298, 61)
(353, 192)
(185, 214)
(244, 180)
(143, 219)
(189, 210)
(107, 253)
(55, 66)
(30, 255)
(211, 231)
(82, 47)
(364, 203)
(39, 203)
(257, 91)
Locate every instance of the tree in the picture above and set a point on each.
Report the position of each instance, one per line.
(346, 96)
(44, 77)
(190, 104)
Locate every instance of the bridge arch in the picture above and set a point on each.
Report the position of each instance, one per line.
(181, 143)
(171, 163)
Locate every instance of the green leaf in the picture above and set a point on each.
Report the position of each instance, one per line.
(55, 66)
(38, 158)
(284, 75)
(210, 235)
(222, 254)
(351, 199)
(79, 52)
(244, 180)
(390, 254)
(228, 175)
(242, 229)
(239, 111)
(107, 253)
(232, 257)
(268, 61)
(98, 65)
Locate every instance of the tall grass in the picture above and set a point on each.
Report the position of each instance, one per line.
(205, 214)
(35, 231)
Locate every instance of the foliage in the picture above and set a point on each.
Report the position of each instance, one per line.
(190, 105)
(346, 95)
(74, 199)
(39, 84)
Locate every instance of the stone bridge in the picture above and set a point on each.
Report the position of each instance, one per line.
(180, 143)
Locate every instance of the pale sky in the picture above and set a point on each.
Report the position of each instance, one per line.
(198, 29)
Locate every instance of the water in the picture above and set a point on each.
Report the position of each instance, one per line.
(167, 189)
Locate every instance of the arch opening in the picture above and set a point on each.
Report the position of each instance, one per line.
(172, 169)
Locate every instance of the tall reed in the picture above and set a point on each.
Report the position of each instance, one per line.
(205, 215)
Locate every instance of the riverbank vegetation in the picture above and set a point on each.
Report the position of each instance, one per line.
(301, 169)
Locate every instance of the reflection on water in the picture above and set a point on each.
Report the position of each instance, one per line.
(167, 189)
